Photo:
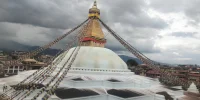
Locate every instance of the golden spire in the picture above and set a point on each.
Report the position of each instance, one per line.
(94, 35)
(95, 4)
(94, 12)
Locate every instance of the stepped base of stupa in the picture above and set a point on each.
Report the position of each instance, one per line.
(100, 74)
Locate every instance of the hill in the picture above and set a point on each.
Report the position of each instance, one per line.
(9, 46)
(125, 58)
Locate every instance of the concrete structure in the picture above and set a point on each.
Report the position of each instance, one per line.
(27, 64)
(1, 70)
(153, 73)
(30, 64)
(193, 88)
(13, 70)
(3, 56)
(191, 94)
(44, 58)
(100, 76)
(194, 77)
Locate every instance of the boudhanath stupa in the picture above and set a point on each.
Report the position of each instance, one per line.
(192, 93)
(97, 73)
(193, 88)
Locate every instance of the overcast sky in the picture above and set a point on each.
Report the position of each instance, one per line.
(164, 30)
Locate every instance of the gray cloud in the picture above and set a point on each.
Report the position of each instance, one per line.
(189, 7)
(140, 38)
(64, 14)
(44, 13)
(167, 6)
(131, 12)
(7, 30)
(184, 34)
(33, 35)
(193, 10)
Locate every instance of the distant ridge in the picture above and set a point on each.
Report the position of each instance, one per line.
(125, 58)
(10, 46)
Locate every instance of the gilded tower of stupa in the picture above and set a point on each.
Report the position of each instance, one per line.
(93, 35)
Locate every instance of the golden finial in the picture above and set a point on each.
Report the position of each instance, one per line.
(95, 4)
(94, 11)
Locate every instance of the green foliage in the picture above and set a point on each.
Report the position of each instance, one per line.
(131, 63)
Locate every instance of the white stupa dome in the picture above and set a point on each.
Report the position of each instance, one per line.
(96, 58)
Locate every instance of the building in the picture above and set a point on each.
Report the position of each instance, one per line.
(3, 56)
(44, 58)
(14, 70)
(32, 64)
(18, 53)
(191, 94)
(27, 64)
(153, 73)
(182, 74)
(1, 70)
(194, 77)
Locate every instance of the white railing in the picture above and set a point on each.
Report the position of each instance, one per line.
(105, 84)
(111, 97)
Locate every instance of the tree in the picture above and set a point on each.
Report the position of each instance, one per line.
(131, 62)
